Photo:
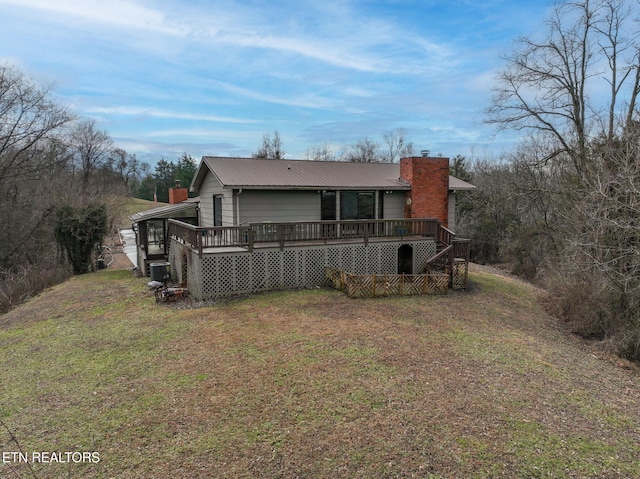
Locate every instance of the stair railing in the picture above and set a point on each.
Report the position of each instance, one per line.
(451, 248)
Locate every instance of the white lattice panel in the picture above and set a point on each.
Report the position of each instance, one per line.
(244, 272)
(346, 258)
(373, 259)
(314, 263)
(389, 258)
(290, 269)
(273, 266)
(333, 257)
(359, 259)
(227, 275)
(208, 277)
(258, 271)
(222, 274)
(422, 251)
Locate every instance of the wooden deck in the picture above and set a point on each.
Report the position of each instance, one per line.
(450, 251)
(276, 244)
(208, 239)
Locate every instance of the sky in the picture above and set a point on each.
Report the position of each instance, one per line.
(209, 77)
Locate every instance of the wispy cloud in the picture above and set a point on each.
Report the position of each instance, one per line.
(120, 13)
(355, 43)
(328, 52)
(158, 113)
(331, 71)
(306, 101)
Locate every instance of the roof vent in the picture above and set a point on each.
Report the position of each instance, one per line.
(424, 153)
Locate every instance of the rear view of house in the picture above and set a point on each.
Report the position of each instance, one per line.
(276, 224)
(239, 191)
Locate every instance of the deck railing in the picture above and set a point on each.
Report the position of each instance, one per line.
(461, 248)
(452, 249)
(247, 236)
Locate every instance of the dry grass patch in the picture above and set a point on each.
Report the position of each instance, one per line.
(314, 384)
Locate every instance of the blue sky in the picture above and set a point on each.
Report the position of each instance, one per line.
(205, 77)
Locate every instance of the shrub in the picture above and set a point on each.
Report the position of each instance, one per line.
(27, 281)
(80, 232)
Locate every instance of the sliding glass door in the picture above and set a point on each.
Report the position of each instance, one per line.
(357, 205)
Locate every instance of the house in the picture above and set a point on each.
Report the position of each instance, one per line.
(273, 224)
(238, 191)
(151, 226)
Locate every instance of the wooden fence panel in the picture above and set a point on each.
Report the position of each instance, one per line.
(373, 285)
(460, 274)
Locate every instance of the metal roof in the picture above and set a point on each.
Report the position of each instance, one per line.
(167, 211)
(301, 174)
(255, 173)
(459, 185)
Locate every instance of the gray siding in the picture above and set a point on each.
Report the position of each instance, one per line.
(254, 206)
(258, 206)
(210, 188)
(452, 211)
(228, 207)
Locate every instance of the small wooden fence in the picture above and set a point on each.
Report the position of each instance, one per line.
(372, 285)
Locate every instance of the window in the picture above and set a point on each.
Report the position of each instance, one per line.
(156, 234)
(217, 210)
(357, 205)
(328, 206)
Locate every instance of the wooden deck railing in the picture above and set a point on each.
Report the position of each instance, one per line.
(452, 249)
(300, 231)
(445, 235)
(461, 248)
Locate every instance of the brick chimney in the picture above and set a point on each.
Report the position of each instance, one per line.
(429, 180)
(178, 194)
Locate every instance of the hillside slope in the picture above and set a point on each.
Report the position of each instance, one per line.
(310, 384)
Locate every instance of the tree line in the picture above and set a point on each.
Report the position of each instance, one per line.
(393, 146)
(155, 186)
(563, 208)
(62, 184)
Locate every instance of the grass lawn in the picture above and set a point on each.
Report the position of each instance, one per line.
(310, 384)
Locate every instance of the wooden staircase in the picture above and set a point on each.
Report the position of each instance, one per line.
(452, 257)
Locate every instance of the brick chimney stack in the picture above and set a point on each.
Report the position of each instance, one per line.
(429, 180)
(178, 194)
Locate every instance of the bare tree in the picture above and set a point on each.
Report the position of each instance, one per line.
(324, 152)
(602, 251)
(32, 158)
(126, 166)
(91, 148)
(554, 86)
(29, 122)
(39, 143)
(396, 146)
(549, 84)
(271, 148)
(365, 151)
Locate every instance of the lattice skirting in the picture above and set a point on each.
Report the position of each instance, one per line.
(371, 285)
(219, 274)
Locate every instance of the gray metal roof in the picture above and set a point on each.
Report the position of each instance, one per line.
(301, 174)
(254, 173)
(166, 211)
(459, 185)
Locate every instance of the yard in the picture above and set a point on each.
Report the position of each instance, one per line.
(311, 384)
